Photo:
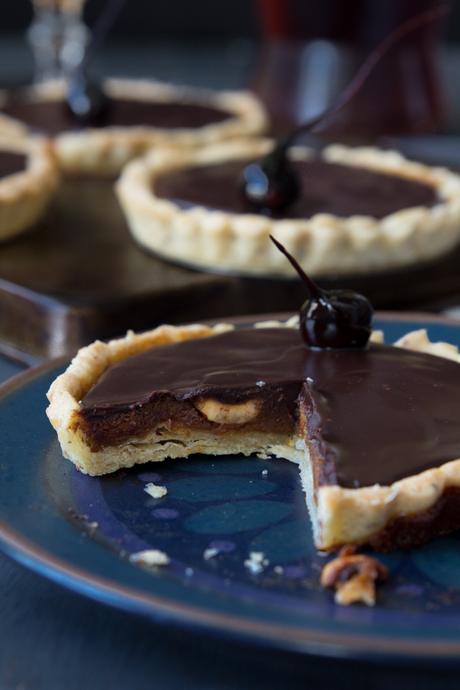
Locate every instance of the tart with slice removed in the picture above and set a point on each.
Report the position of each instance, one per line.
(374, 431)
(28, 179)
(358, 210)
(139, 115)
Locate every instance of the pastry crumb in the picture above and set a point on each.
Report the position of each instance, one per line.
(155, 491)
(278, 569)
(209, 553)
(256, 562)
(353, 576)
(150, 557)
(189, 572)
(264, 473)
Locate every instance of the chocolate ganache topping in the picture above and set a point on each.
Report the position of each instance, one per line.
(11, 163)
(373, 416)
(53, 116)
(325, 187)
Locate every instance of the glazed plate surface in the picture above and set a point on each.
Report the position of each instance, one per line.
(80, 531)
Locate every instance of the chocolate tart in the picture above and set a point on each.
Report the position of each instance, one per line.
(28, 179)
(141, 114)
(375, 432)
(360, 210)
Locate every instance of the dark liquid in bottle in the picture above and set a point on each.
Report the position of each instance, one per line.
(312, 49)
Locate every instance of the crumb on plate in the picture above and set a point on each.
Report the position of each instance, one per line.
(150, 557)
(155, 491)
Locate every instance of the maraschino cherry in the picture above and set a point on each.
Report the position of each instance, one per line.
(272, 184)
(86, 99)
(331, 319)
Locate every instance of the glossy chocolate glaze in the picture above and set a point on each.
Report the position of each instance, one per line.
(53, 117)
(373, 416)
(325, 188)
(11, 163)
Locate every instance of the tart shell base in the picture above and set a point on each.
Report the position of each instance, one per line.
(324, 244)
(105, 150)
(24, 196)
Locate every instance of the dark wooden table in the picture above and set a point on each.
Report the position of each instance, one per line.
(79, 276)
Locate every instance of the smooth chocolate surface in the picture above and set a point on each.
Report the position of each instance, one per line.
(53, 117)
(326, 188)
(11, 163)
(374, 416)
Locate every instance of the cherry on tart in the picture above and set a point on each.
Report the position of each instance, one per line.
(86, 100)
(331, 319)
(360, 420)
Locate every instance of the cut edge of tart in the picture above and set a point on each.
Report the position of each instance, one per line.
(105, 150)
(25, 194)
(383, 516)
(323, 243)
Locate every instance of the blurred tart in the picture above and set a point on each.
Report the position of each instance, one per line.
(360, 210)
(375, 432)
(28, 179)
(141, 114)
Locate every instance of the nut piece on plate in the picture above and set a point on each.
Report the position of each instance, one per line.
(353, 576)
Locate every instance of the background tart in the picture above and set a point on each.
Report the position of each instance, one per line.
(142, 114)
(361, 210)
(208, 390)
(28, 179)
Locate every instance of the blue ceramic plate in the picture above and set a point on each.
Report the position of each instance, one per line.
(80, 531)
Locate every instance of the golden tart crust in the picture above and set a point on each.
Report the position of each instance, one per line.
(25, 195)
(106, 150)
(324, 244)
(339, 515)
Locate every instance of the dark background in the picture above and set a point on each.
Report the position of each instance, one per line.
(157, 19)
(201, 19)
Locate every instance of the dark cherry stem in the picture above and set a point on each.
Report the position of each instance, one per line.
(314, 290)
(272, 184)
(86, 99)
(331, 319)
